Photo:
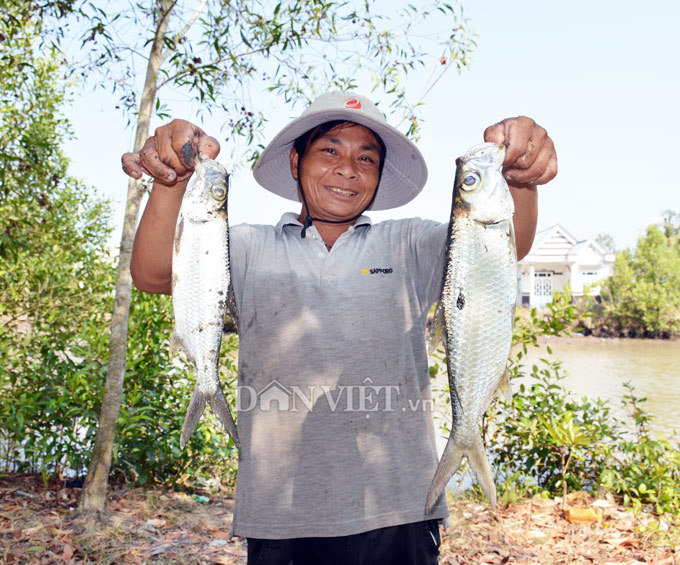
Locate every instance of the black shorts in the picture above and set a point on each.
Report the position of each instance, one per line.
(407, 544)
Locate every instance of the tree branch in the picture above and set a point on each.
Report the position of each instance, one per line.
(166, 52)
(193, 18)
(211, 63)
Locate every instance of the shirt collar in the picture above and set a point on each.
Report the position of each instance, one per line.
(291, 218)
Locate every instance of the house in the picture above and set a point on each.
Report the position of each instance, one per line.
(557, 259)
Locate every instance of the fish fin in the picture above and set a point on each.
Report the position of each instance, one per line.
(505, 387)
(436, 329)
(219, 405)
(480, 466)
(194, 412)
(448, 465)
(232, 311)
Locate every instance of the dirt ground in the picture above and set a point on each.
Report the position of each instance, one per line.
(38, 525)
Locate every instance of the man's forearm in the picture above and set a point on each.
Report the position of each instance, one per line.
(526, 216)
(151, 263)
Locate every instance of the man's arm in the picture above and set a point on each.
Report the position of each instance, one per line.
(169, 158)
(530, 160)
(151, 263)
(525, 218)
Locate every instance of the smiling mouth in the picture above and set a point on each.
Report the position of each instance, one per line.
(340, 191)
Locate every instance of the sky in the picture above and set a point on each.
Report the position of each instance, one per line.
(602, 76)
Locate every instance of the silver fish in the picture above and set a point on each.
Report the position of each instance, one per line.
(201, 288)
(476, 308)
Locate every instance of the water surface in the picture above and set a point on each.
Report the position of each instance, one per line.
(599, 367)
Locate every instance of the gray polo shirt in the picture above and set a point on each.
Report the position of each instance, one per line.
(334, 402)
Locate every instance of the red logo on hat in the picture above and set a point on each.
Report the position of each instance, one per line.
(353, 103)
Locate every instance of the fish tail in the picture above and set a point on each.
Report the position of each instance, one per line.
(194, 412)
(219, 405)
(448, 465)
(480, 466)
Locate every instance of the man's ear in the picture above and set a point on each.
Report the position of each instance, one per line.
(294, 163)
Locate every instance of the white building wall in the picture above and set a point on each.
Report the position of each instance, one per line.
(556, 252)
(590, 275)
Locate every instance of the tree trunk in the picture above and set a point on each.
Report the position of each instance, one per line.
(93, 496)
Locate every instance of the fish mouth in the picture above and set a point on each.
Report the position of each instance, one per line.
(341, 191)
(490, 222)
(485, 153)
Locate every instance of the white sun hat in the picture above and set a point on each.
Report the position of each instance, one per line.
(404, 173)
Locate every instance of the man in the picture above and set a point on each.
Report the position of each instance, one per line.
(332, 313)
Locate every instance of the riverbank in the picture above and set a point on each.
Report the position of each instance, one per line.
(38, 526)
(580, 339)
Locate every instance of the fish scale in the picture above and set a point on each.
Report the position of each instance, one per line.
(201, 285)
(484, 291)
(476, 308)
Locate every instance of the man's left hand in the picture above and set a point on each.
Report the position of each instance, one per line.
(530, 157)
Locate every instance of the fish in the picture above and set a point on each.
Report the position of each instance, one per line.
(202, 293)
(476, 309)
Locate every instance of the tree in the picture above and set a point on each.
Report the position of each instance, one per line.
(294, 48)
(606, 241)
(53, 262)
(56, 300)
(671, 224)
(643, 293)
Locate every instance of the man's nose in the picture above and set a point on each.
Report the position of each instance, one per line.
(346, 167)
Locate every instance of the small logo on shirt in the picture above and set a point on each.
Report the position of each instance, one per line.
(377, 271)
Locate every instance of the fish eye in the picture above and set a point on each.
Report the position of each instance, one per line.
(469, 181)
(218, 190)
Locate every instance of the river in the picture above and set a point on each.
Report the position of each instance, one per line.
(598, 367)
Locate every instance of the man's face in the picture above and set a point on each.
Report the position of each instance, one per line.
(339, 172)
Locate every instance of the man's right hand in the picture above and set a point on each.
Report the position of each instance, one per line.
(169, 155)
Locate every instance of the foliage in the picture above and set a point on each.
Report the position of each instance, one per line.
(606, 241)
(559, 316)
(642, 295)
(671, 224)
(52, 386)
(57, 288)
(546, 441)
(538, 441)
(31, 125)
(56, 300)
(219, 52)
(53, 263)
(643, 468)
